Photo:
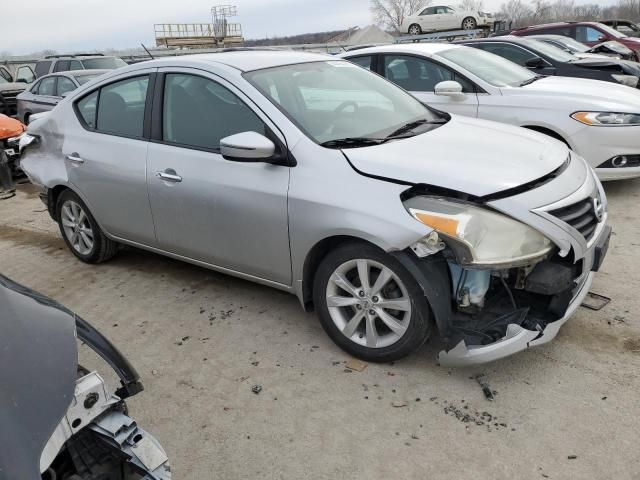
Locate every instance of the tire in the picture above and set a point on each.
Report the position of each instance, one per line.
(75, 218)
(469, 23)
(411, 323)
(414, 29)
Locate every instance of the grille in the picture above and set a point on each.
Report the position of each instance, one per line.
(8, 102)
(580, 215)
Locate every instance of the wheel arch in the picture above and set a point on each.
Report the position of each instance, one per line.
(313, 259)
(549, 132)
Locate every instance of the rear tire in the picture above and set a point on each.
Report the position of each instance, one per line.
(469, 23)
(415, 29)
(80, 230)
(380, 322)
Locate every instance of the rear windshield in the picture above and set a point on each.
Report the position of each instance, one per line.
(104, 63)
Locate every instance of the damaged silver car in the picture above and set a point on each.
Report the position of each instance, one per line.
(59, 420)
(314, 176)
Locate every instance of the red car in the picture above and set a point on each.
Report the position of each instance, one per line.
(589, 33)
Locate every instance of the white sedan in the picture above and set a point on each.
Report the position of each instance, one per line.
(600, 121)
(442, 18)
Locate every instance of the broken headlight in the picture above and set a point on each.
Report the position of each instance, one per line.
(479, 236)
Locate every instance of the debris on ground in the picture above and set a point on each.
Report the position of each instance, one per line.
(399, 404)
(356, 365)
(484, 384)
(256, 389)
(595, 301)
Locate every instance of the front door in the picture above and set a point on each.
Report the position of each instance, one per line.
(419, 76)
(228, 214)
(105, 156)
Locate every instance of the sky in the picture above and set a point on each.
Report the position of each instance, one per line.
(85, 25)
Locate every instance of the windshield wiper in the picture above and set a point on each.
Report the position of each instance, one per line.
(411, 125)
(352, 142)
(531, 80)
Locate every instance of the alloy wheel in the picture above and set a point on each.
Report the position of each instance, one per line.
(368, 303)
(469, 24)
(414, 30)
(77, 227)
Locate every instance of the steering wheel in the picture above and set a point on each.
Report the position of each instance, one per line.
(348, 103)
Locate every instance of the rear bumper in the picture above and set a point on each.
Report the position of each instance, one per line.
(516, 339)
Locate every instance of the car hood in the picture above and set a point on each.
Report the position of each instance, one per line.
(585, 93)
(477, 157)
(13, 86)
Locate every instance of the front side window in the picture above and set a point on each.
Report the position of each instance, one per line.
(417, 74)
(25, 74)
(587, 34)
(47, 87)
(121, 107)
(334, 100)
(65, 85)
(491, 68)
(198, 112)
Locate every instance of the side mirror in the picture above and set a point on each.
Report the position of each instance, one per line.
(535, 62)
(247, 147)
(448, 88)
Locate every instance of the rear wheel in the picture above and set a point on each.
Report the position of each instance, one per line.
(369, 304)
(414, 29)
(469, 23)
(81, 232)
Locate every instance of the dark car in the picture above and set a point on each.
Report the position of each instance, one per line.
(631, 29)
(609, 49)
(78, 61)
(589, 33)
(45, 93)
(545, 59)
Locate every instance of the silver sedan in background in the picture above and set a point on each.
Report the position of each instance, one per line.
(45, 94)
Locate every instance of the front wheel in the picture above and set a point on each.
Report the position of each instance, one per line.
(369, 304)
(81, 232)
(469, 23)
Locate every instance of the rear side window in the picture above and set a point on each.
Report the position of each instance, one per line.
(121, 107)
(42, 67)
(61, 66)
(47, 86)
(364, 62)
(87, 107)
(199, 112)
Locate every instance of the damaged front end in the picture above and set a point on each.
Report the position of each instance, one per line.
(514, 274)
(59, 420)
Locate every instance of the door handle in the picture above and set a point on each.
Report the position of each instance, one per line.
(75, 158)
(169, 177)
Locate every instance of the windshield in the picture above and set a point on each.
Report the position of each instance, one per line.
(611, 31)
(337, 100)
(82, 79)
(570, 43)
(550, 51)
(491, 68)
(107, 63)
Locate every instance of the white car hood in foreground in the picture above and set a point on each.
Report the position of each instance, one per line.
(583, 93)
(477, 157)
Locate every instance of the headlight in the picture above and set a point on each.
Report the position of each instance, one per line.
(480, 236)
(628, 80)
(607, 118)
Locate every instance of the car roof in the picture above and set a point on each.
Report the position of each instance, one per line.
(425, 49)
(553, 25)
(76, 73)
(503, 38)
(243, 60)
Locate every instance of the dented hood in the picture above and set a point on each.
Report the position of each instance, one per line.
(477, 157)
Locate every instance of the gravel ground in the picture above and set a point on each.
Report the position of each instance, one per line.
(201, 340)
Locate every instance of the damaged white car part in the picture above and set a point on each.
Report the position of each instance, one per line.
(317, 177)
(64, 421)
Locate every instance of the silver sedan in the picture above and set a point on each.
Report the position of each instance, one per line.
(45, 94)
(314, 176)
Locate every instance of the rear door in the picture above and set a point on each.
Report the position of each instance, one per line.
(229, 214)
(419, 76)
(105, 151)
